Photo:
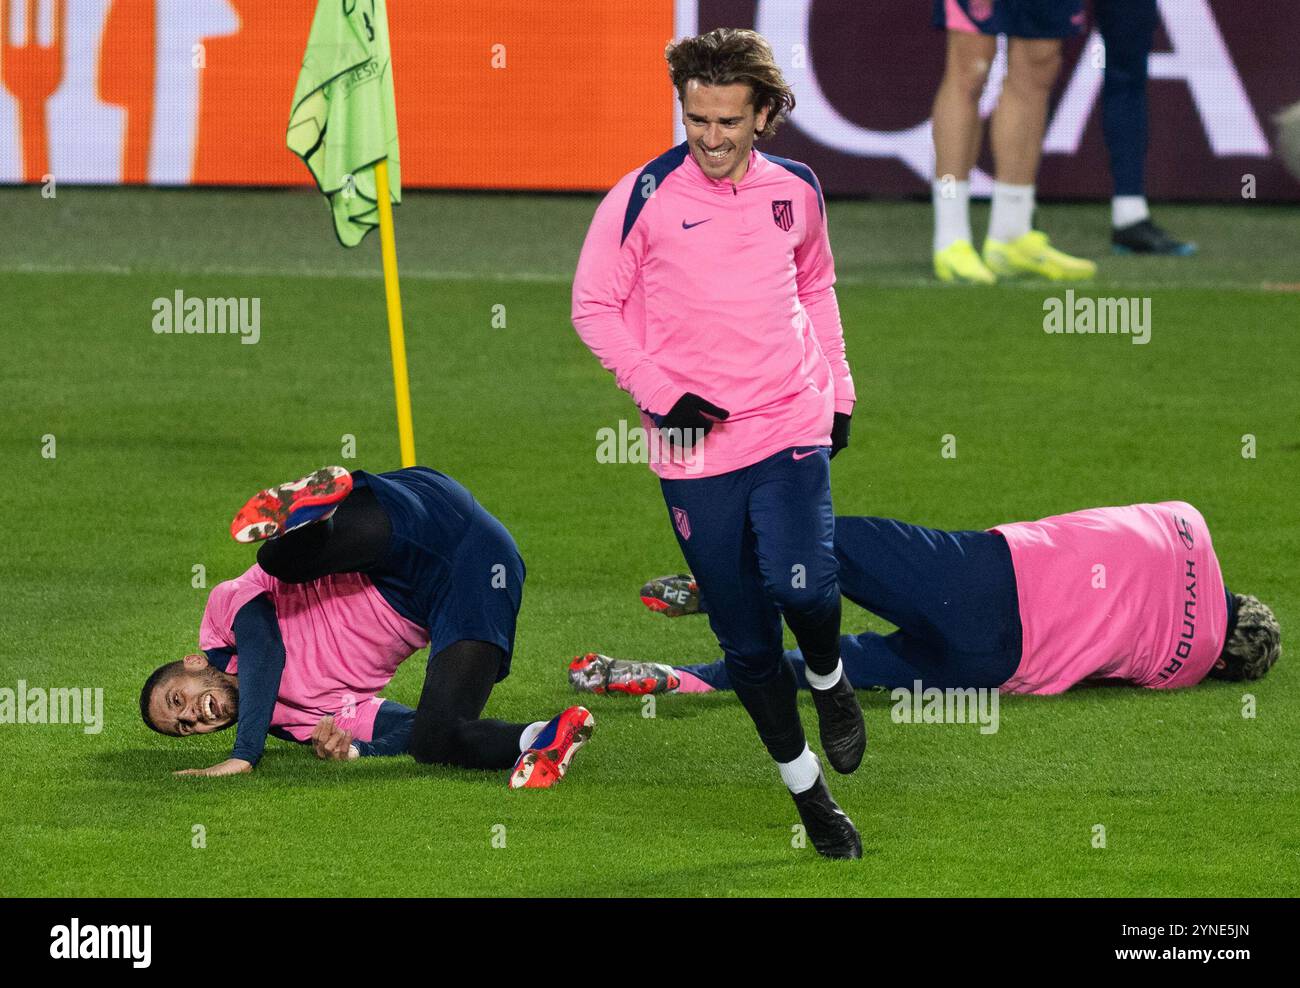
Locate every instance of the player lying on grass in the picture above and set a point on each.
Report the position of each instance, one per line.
(1127, 594)
(358, 572)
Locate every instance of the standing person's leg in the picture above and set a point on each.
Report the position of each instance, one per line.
(709, 517)
(956, 111)
(794, 524)
(1013, 246)
(1017, 129)
(1020, 119)
(1128, 30)
(793, 520)
(957, 131)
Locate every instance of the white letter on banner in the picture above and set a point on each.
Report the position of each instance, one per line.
(181, 25)
(785, 25)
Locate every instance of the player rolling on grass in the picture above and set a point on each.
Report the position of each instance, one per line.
(356, 573)
(1126, 595)
(1034, 29)
(706, 286)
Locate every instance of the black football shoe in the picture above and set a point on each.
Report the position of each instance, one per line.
(840, 724)
(1144, 237)
(828, 827)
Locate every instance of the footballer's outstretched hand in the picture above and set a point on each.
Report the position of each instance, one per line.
(231, 766)
(691, 412)
(840, 432)
(331, 742)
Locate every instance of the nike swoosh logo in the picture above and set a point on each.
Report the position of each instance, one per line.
(805, 456)
(687, 226)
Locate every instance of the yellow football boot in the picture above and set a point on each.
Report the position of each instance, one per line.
(1034, 254)
(958, 262)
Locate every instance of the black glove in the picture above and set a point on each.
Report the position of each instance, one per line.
(690, 412)
(840, 432)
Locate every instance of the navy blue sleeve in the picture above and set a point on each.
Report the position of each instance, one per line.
(219, 657)
(261, 663)
(392, 731)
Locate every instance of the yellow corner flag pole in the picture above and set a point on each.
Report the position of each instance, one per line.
(343, 123)
(396, 338)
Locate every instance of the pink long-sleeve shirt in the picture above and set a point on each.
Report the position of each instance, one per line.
(342, 644)
(723, 289)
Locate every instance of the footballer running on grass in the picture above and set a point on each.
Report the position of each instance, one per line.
(1130, 595)
(358, 572)
(706, 285)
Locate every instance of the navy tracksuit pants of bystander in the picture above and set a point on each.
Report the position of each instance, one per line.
(1127, 28)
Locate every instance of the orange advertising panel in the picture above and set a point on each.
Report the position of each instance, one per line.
(490, 93)
(570, 94)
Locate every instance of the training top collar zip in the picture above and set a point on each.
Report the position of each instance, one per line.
(725, 185)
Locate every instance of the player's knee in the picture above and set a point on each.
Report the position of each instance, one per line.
(753, 668)
(810, 596)
(284, 566)
(1122, 79)
(435, 743)
(967, 76)
(1035, 71)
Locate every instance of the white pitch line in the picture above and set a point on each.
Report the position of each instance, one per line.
(550, 278)
(237, 272)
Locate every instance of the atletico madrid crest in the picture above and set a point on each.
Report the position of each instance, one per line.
(783, 213)
(683, 522)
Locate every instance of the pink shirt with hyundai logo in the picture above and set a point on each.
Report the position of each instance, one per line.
(1127, 593)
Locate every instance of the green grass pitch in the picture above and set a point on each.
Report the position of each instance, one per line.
(160, 438)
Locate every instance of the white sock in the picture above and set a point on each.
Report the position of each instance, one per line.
(824, 682)
(801, 774)
(1013, 211)
(1127, 210)
(951, 212)
(530, 734)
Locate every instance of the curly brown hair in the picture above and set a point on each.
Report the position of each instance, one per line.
(726, 56)
(1255, 643)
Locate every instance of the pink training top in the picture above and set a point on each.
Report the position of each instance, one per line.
(342, 645)
(1131, 593)
(720, 288)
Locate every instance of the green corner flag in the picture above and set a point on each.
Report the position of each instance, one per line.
(343, 125)
(344, 116)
